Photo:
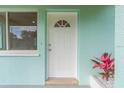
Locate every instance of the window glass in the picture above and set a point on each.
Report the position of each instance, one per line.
(2, 30)
(22, 30)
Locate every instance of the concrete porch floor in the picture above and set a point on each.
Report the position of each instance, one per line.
(62, 81)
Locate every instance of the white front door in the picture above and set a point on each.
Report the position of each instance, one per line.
(62, 44)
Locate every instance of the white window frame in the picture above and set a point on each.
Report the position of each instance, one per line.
(8, 52)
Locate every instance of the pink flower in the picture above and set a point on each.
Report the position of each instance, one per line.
(105, 57)
(111, 65)
(106, 63)
(96, 65)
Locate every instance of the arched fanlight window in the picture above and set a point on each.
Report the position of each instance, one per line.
(62, 23)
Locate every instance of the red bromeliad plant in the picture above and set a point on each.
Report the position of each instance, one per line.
(106, 63)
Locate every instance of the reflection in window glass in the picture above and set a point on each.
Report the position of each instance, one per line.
(22, 31)
(2, 30)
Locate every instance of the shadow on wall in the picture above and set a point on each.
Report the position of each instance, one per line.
(93, 11)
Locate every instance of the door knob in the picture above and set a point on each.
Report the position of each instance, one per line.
(50, 49)
(49, 44)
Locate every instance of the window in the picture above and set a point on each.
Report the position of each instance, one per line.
(18, 31)
(62, 23)
(2, 30)
(22, 31)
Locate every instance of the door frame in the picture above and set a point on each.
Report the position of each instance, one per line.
(46, 38)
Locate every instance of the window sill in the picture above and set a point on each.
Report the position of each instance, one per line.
(19, 53)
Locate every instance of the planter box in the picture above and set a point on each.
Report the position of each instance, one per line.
(98, 82)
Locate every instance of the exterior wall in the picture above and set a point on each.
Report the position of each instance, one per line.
(95, 36)
(119, 46)
(25, 70)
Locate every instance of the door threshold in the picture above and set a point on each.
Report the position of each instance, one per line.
(61, 81)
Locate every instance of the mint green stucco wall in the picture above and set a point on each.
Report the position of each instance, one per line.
(25, 70)
(119, 46)
(95, 36)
